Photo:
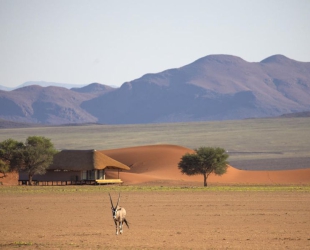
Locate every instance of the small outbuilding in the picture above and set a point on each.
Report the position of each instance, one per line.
(78, 167)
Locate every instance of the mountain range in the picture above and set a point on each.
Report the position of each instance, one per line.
(215, 87)
(43, 84)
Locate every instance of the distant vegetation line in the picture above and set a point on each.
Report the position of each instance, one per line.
(12, 124)
(298, 114)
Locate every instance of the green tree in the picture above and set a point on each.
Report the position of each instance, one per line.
(4, 168)
(204, 161)
(36, 156)
(8, 157)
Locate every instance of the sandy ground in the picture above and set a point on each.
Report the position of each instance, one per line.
(158, 220)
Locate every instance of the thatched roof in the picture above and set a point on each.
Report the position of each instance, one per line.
(84, 160)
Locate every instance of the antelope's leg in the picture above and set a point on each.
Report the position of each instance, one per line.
(121, 227)
(116, 227)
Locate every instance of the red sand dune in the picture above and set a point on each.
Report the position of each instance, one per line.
(159, 163)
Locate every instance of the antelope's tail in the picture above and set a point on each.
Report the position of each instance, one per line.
(126, 222)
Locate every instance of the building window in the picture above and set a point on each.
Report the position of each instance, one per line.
(84, 175)
(91, 174)
(100, 174)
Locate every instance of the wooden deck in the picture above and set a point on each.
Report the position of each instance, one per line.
(109, 181)
(64, 183)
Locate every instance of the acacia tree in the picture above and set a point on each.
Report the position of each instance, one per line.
(8, 157)
(4, 168)
(204, 161)
(36, 155)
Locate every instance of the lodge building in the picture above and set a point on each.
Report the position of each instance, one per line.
(77, 167)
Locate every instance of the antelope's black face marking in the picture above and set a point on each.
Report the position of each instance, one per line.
(114, 212)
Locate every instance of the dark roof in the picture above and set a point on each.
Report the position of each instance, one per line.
(84, 160)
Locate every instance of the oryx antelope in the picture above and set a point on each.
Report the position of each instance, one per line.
(119, 215)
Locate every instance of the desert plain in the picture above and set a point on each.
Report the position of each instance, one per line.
(262, 207)
(232, 217)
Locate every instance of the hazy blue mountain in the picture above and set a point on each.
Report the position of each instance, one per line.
(48, 84)
(5, 88)
(43, 84)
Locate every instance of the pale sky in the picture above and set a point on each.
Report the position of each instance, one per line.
(111, 42)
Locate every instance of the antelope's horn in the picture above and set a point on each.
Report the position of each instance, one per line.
(119, 196)
(111, 201)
